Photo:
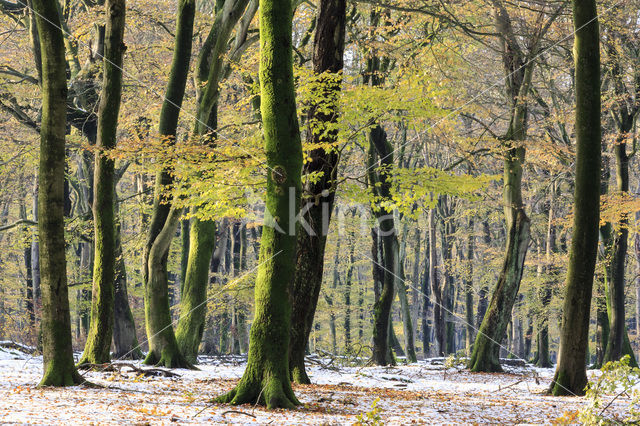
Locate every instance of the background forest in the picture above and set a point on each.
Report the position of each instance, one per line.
(472, 97)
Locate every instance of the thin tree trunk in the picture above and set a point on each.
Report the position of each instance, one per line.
(470, 335)
(426, 330)
(125, 340)
(616, 347)
(438, 317)
(407, 323)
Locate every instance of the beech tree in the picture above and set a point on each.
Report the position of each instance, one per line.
(98, 345)
(163, 347)
(571, 376)
(59, 368)
(266, 378)
(319, 195)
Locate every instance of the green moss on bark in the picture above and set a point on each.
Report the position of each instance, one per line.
(266, 378)
(57, 352)
(571, 376)
(193, 302)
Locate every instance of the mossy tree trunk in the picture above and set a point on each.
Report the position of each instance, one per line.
(519, 70)
(407, 324)
(571, 377)
(57, 352)
(164, 349)
(125, 341)
(625, 113)
(266, 378)
(193, 305)
(98, 345)
(319, 193)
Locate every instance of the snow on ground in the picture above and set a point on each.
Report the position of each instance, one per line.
(421, 393)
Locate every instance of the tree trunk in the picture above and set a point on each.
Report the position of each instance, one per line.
(426, 330)
(98, 345)
(380, 147)
(438, 317)
(155, 274)
(618, 340)
(570, 376)
(26, 256)
(193, 305)
(266, 378)
(407, 322)
(125, 340)
(57, 355)
(485, 355)
(347, 298)
(193, 301)
(328, 54)
(163, 347)
(470, 335)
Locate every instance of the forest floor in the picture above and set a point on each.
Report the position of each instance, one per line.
(421, 393)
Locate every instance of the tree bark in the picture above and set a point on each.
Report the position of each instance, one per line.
(328, 62)
(193, 306)
(470, 335)
(125, 341)
(155, 274)
(570, 376)
(266, 378)
(98, 345)
(57, 356)
(438, 317)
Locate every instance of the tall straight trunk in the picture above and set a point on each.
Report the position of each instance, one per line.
(571, 376)
(416, 296)
(329, 300)
(618, 340)
(184, 251)
(361, 316)
(543, 359)
(328, 51)
(266, 378)
(438, 312)
(347, 298)
(57, 352)
(35, 246)
(155, 274)
(426, 330)
(483, 303)
(401, 285)
(448, 289)
(125, 341)
(468, 288)
(97, 347)
(26, 256)
(379, 147)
